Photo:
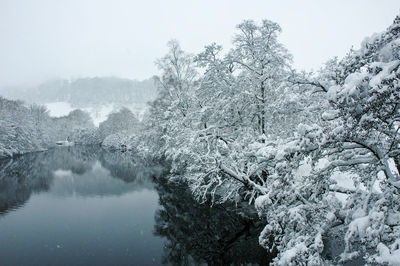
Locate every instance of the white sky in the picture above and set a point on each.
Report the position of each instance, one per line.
(45, 39)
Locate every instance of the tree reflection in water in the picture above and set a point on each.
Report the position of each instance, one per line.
(129, 167)
(34, 173)
(195, 233)
(199, 233)
(20, 177)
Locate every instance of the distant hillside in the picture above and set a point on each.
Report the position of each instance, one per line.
(86, 91)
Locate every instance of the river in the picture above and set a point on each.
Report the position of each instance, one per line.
(88, 206)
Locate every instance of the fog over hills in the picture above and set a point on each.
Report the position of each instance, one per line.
(86, 92)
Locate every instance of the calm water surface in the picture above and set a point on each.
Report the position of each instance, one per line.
(86, 206)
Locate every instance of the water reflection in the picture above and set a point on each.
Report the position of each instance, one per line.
(81, 170)
(103, 208)
(78, 206)
(129, 167)
(20, 177)
(198, 234)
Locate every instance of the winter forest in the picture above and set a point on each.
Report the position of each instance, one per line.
(314, 155)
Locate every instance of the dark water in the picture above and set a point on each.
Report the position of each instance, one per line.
(86, 206)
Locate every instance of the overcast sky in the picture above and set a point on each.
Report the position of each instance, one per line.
(45, 39)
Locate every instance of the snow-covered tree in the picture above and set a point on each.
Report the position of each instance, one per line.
(122, 121)
(64, 127)
(317, 155)
(366, 137)
(263, 62)
(353, 180)
(19, 132)
(170, 113)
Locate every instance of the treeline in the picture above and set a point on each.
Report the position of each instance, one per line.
(318, 154)
(26, 129)
(115, 133)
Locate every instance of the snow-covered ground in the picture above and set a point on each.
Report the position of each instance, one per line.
(58, 109)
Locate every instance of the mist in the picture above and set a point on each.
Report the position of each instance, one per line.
(44, 39)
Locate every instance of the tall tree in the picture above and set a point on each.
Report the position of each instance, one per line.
(169, 113)
(263, 61)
